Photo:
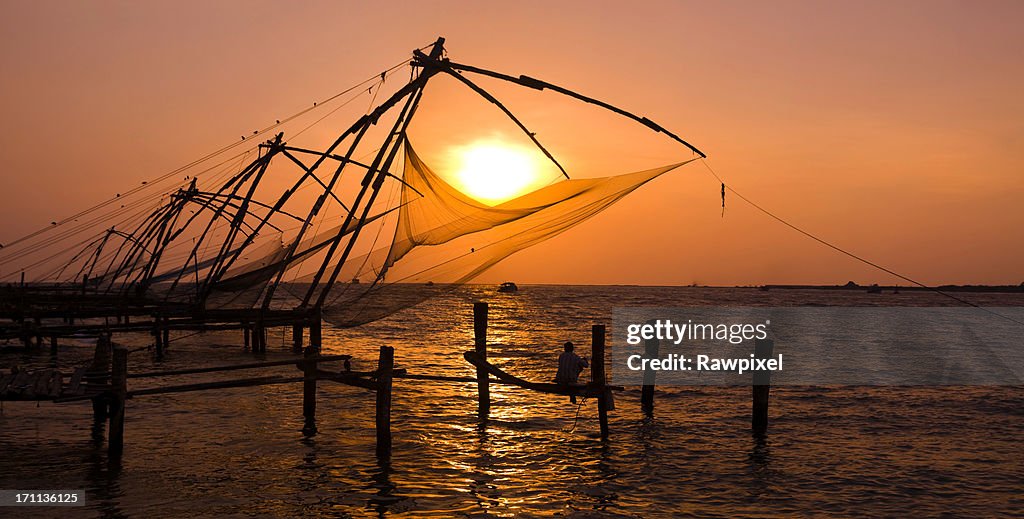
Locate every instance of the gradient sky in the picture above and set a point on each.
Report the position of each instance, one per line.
(895, 130)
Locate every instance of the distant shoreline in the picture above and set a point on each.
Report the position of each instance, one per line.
(848, 286)
(890, 288)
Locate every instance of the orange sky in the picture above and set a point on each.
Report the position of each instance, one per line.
(894, 130)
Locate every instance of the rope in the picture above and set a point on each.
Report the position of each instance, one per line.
(176, 171)
(846, 252)
(576, 420)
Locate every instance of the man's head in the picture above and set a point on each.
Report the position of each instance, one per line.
(568, 346)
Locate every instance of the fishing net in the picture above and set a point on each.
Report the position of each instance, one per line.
(444, 238)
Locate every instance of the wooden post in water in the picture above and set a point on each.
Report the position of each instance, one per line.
(39, 333)
(761, 385)
(385, 366)
(316, 333)
(256, 331)
(480, 344)
(118, 394)
(97, 374)
(245, 335)
(297, 338)
(158, 338)
(309, 393)
(651, 347)
(167, 332)
(599, 377)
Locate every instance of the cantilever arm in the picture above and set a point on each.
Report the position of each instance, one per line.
(486, 95)
(537, 84)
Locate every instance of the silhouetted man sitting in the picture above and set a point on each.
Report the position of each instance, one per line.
(570, 366)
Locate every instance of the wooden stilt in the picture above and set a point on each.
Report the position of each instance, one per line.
(263, 338)
(245, 335)
(158, 338)
(255, 338)
(167, 332)
(39, 335)
(309, 394)
(651, 347)
(480, 342)
(761, 387)
(258, 337)
(315, 333)
(53, 345)
(598, 376)
(297, 338)
(385, 366)
(118, 393)
(98, 375)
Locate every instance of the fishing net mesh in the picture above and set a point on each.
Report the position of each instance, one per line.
(444, 238)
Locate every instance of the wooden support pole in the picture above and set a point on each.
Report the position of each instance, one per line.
(259, 338)
(309, 394)
(263, 337)
(158, 338)
(118, 394)
(53, 345)
(761, 386)
(99, 368)
(385, 367)
(167, 332)
(245, 335)
(480, 344)
(598, 376)
(651, 347)
(315, 333)
(297, 338)
(39, 334)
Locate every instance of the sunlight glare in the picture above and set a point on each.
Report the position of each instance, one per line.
(493, 172)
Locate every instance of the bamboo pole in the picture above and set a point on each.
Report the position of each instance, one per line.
(232, 367)
(385, 366)
(761, 387)
(203, 386)
(480, 343)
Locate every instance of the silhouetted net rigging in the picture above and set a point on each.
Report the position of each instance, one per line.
(444, 238)
(290, 228)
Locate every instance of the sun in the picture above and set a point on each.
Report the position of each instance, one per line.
(493, 172)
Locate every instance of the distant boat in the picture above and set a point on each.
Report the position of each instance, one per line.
(508, 287)
(355, 281)
(874, 289)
